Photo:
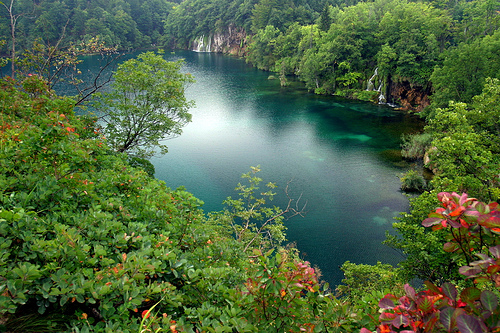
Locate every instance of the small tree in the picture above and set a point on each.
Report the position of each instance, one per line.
(146, 105)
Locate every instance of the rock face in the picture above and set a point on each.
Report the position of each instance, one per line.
(409, 97)
(230, 41)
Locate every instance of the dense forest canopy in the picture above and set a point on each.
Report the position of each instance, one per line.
(415, 48)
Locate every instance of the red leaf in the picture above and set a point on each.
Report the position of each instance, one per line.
(410, 292)
(386, 303)
(458, 211)
(493, 269)
(491, 222)
(432, 287)
(469, 271)
(428, 222)
(400, 321)
(450, 247)
(495, 251)
(387, 316)
(146, 313)
(450, 291)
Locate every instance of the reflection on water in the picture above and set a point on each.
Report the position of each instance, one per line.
(334, 151)
(341, 156)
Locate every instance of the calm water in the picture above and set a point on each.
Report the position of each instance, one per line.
(340, 156)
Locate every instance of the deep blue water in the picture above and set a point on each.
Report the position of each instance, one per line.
(340, 155)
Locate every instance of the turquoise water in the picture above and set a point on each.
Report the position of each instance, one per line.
(340, 156)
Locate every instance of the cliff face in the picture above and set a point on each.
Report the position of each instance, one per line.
(409, 97)
(230, 41)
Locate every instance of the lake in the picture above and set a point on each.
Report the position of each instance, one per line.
(341, 157)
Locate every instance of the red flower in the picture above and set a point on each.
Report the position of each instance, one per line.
(146, 313)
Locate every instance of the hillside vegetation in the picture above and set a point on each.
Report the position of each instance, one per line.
(91, 242)
(405, 52)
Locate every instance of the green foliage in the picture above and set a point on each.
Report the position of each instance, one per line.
(253, 223)
(89, 243)
(403, 39)
(412, 181)
(424, 255)
(85, 234)
(465, 69)
(464, 156)
(465, 151)
(472, 230)
(415, 146)
(146, 105)
(367, 96)
(142, 163)
(361, 280)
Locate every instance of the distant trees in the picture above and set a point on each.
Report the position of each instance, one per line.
(13, 17)
(403, 39)
(124, 24)
(465, 69)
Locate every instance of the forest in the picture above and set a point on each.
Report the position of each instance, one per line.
(90, 241)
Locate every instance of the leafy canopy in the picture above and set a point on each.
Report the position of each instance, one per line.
(146, 105)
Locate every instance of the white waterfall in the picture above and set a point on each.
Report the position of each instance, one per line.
(370, 85)
(202, 44)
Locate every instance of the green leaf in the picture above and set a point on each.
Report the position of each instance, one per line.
(424, 304)
(450, 291)
(489, 300)
(468, 324)
(470, 295)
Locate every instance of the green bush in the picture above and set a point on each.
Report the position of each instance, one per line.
(414, 146)
(412, 181)
(89, 243)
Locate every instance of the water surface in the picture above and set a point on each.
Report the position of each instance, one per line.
(340, 156)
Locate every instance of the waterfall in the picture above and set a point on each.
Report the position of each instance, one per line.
(202, 44)
(381, 99)
(370, 85)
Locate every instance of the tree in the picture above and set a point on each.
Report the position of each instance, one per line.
(146, 105)
(13, 24)
(58, 64)
(325, 20)
(465, 69)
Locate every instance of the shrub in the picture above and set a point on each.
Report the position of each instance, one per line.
(414, 146)
(473, 228)
(412, 181)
